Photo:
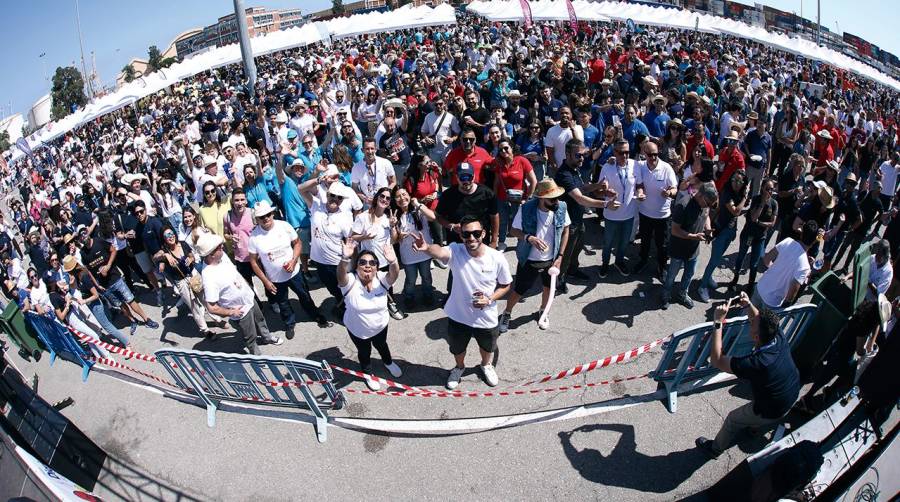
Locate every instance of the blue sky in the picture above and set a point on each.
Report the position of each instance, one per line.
(118, 30)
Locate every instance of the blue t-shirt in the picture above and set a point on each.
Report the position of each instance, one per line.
(629, 131)
(295, 211)
(256, 193)
(656, 123)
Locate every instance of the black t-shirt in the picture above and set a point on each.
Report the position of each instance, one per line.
(569, 179)
(256, 135)
(686, 211)
(58, 300)
(454, 205)
(38, 259)
(773, 377)
(96, 256)
(151, 234)
(849, 207)
(869, 207)
(767, 215)
(724, 219)
(480, 115)
(80, 217)
(395, 143)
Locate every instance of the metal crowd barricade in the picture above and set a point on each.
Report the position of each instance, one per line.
(59, 341)
(262, 381)
(687, 354)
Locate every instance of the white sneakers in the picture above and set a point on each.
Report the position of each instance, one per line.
(490, 376)
(394, 370)
(372, 384)
(454, 378)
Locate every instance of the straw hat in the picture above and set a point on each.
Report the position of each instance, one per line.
(547, 189)
(660, 97)
(824, 134)
(69, 263)
(851, 177)
(207, 243)
(884, 311)
(826, 196)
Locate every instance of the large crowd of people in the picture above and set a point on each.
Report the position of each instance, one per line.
(353, 162)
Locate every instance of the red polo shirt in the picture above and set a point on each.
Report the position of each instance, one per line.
(477, 159)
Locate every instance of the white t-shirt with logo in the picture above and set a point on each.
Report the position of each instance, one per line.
(367, 312)
(274, 249)
(545, 231)
(623, 180)
(471, 274)
(380, 228)
(370, 178)
(223, 285)
(791, 264)
(656, 205)
(408, 255)
(350, 204)
(328, 231)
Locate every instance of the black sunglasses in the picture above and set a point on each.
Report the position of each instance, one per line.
(371, 263)
(471, 233)
(468, 140)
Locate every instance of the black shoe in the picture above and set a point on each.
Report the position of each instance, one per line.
(580, 275)
(665, 301)
(604, 271)
(622, 268)
(640, 266)
(686, 301)
(150, 323)
(395, 311)
(323, 323)
(708, 447)
(562, 288)
(289, 332)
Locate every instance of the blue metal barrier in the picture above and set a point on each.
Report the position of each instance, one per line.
(263, 381)
(687, 354)
(59, 341)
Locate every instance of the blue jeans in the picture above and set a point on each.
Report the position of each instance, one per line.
(423, 269)
(756, 246)
(831, 246)
(507, 211)
(99, 311)
(675, 265)
(719, 246)
(617, 235)
(297, 284)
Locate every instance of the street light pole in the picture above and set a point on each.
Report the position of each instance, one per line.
(84, 74)
(43, 64)
(246, 50)
(818, 22)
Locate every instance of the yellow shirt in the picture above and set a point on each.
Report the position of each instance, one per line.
(213, 216)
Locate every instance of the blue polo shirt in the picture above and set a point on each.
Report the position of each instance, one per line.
(295, 211)
(773, 377)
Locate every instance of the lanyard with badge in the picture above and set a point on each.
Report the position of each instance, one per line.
(623, 176)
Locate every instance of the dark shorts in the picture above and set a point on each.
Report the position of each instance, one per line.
(528, 272)
(459, 335)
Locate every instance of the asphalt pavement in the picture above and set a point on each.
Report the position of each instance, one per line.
(162, 449)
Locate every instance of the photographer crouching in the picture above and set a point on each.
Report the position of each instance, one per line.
(774, 379)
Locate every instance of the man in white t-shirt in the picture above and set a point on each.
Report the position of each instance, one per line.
(480, 277)
(557, 136)
(228, 294)
(275, 250)
(542, 227)
(889, 171)
(660, 185)
(787, 269)
(619, 174)
(371, 173)
(439, 130)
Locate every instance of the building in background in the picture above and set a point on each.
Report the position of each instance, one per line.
(260, 21)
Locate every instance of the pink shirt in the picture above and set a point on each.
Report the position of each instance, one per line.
(239, 228)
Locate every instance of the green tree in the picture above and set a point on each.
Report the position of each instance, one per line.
(67, 91)
(4, 141)
(167, 62)
(154, 59)
(337, 7)
(128, 72)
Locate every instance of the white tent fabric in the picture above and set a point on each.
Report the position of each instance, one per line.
(541, 10)
(309, 33)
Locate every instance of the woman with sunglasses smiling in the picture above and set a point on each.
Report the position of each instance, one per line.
(178, 264)
(366, 298)
(376, 228)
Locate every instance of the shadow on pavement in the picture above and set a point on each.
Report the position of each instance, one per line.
(414, 374)
(621, 309)
(626, 467)
(121, 481)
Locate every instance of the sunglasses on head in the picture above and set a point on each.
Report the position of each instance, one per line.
(466, 234)
(370, 263)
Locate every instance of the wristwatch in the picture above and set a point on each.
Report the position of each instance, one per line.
(718, 325)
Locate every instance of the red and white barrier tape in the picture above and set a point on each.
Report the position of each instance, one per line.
(601, 363)
(110, 347)
(495, 393)
(389, 383)
(113, 364)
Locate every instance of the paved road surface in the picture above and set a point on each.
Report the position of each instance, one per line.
(162, 449)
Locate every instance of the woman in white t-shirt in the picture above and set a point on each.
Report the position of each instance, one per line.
(375, 228)
(366, 298)
(412, 219)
